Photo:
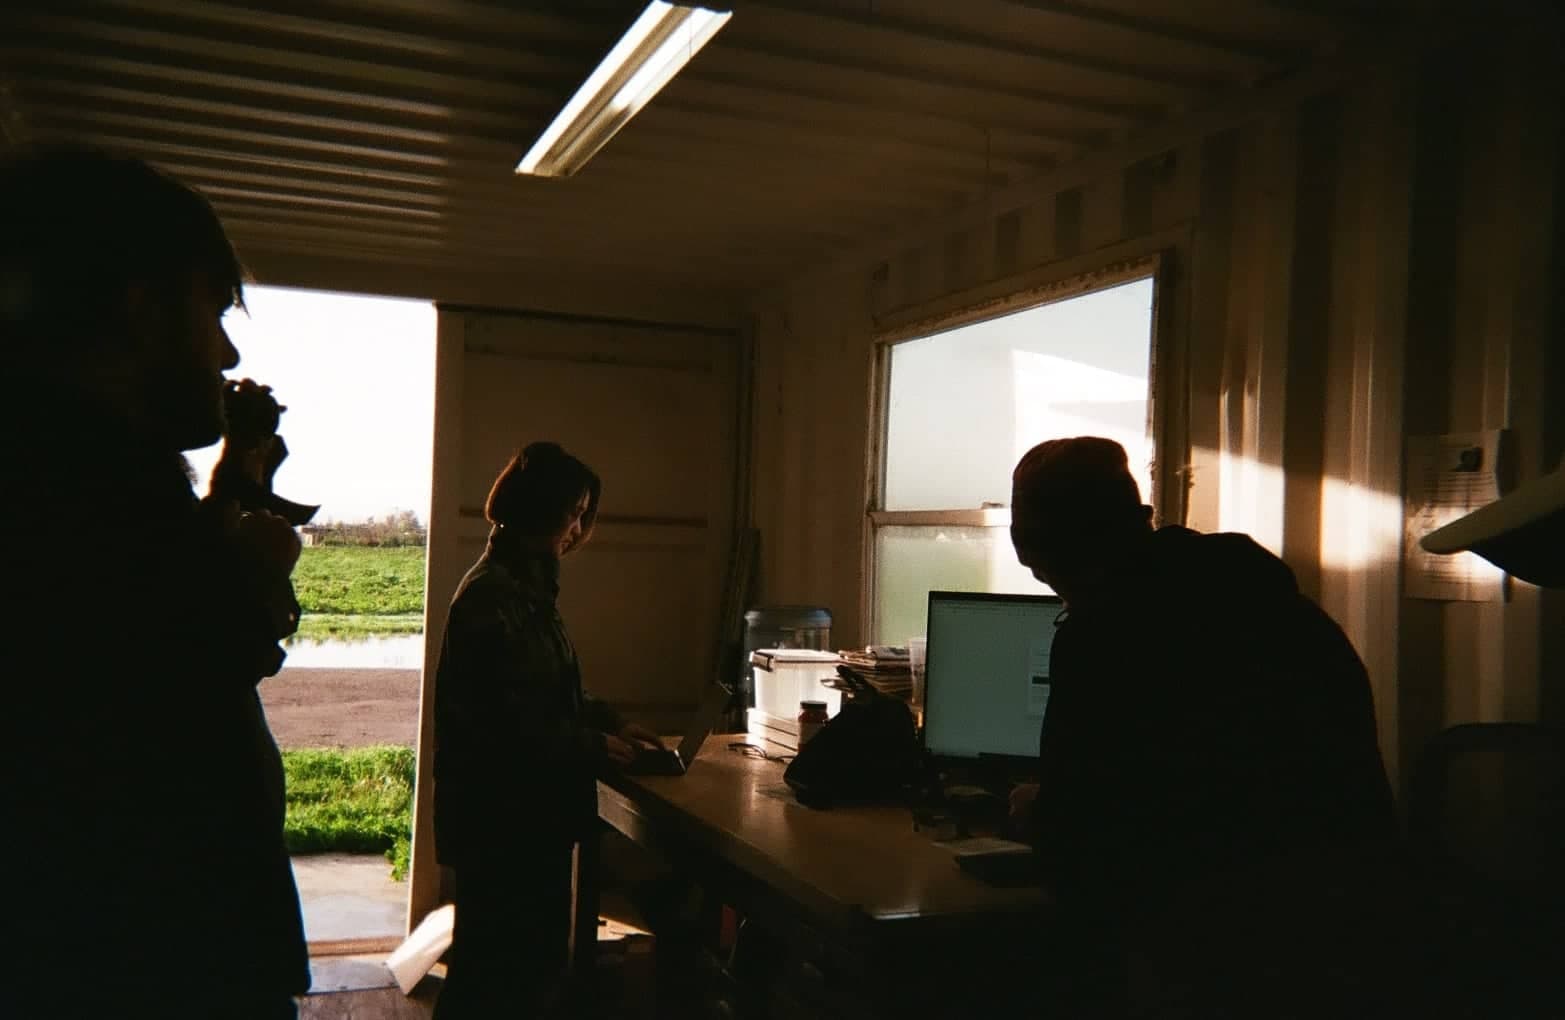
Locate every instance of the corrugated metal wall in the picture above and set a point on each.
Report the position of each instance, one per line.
(1343, 270)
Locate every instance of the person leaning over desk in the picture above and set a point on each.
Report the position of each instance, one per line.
(518, 745)
(1212, 809)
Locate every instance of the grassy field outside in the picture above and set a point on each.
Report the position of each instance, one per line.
(359, 800)
(349, 592)
(356, 801)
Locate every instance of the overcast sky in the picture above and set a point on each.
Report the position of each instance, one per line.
(357, 376)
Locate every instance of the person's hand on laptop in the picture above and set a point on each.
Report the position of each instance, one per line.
(620, 752)
(636, 734)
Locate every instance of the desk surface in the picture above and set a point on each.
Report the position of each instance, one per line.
(845, 866)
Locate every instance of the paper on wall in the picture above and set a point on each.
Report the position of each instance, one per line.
(1449, 476)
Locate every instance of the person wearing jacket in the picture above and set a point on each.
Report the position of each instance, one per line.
(143, 794)
(518, 745)
(1211, 801)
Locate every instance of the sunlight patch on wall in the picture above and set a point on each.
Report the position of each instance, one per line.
(1360, 528)
(1251, 499)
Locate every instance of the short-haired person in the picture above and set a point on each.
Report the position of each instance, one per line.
(1211, 801)
(143, 793)
(518, 745)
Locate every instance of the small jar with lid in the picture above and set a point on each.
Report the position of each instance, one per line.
(812, 716)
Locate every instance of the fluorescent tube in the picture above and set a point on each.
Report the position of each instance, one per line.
(660, 42)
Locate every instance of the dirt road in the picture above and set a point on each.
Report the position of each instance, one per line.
(342, 707)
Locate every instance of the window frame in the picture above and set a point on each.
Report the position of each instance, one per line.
(1164, 377)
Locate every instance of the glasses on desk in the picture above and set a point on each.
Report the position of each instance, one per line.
(757, 751)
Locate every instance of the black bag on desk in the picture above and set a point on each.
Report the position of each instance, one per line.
(868, 752)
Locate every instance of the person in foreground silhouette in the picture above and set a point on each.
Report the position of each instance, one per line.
(1211, 805)
(518, 746)
(143, 793)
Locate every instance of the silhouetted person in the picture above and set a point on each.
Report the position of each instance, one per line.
(518, 746)
(143, 803)
(1212, 805)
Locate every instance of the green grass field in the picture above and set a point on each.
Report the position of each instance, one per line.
(350, 592)
(358, 801)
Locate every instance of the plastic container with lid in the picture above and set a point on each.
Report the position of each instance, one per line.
(783, 678)
(776, 627)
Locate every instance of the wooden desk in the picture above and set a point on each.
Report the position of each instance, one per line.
(875, 918)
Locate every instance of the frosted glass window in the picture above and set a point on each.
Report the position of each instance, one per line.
(912, 561)
(965, 404)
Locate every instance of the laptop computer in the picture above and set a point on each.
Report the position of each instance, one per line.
(654, 761)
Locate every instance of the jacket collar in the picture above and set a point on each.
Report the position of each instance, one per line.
(536, 574)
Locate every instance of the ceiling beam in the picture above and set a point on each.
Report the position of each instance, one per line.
(160, 80)
(366, 112)
(80, 122)
(215, 174)
(400, 143)
(736, 125)
(603, 179)
(851, 214)
(665, 294)
(446, 96)
(215, 167)
(1101, 112)
(544, 70)
(156, 102)
(500, 283)
(357, 179)
(363, 35)
(219, 193)
(640, 252)
(800, 104)
(578, 22)
(174, 152)
(1172, 31)
(756, 145)
(783, 157)
(869, 87)
(829, 19)
(638, 194)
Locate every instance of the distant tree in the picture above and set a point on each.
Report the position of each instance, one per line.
(401, 528)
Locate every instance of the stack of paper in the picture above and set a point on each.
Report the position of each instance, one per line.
(887, 668)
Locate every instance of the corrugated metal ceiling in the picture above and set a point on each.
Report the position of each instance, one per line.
(386, 131)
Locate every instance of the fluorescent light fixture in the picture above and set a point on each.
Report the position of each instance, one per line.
(662, 40)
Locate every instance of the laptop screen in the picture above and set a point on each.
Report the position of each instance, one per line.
(714, 698)
(986, 681)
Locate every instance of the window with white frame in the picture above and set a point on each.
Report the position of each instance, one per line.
(960, 406)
